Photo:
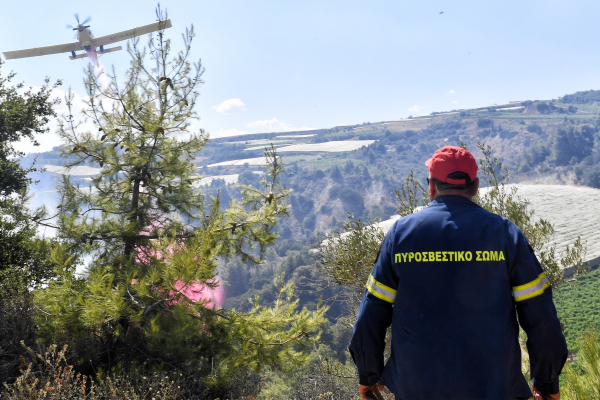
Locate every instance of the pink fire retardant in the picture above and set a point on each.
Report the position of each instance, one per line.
(199, 292)
(194, 291)
(93, 56)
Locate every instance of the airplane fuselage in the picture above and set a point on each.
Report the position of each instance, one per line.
(85, 37)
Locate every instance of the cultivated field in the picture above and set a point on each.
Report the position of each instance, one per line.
(74, 171)
(330, 147)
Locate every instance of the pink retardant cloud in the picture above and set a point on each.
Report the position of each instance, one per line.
(195, 291)
(93, 56)
(199, 292)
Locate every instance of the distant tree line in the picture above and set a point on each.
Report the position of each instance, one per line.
(570, 145)
(584, 97)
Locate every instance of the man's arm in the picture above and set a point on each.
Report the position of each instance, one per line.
(537, 316)
(545, 341)
(368, 340)
(375, 316)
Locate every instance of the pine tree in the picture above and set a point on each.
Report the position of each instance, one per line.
(154, 237)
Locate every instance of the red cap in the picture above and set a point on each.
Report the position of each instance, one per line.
(451, 159)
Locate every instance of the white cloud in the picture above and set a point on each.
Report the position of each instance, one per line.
(455, 102)
(230, 106)
(451, 92)
(273, 125)
(415, 108)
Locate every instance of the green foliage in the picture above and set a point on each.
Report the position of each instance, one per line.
(310, 221)
(534, 128)
(323, 378)
(484, 123)
(411, 197)
(23, 113)
(24, 258)
(543, 108)
(591, 176)
(570, 144)
(155, 239)
(301, 206)
(570, 141)
(336, 175)
(352, 200)
(47, 375)
(15, 326)
(249, 178)
(582, 380)
(584, 97)
(533, 156)
(577, 306)
(504, 201)
(237, 279)
(347, 257)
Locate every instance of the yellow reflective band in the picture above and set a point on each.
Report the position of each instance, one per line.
(531, 289)
(530, 284)
(380, 291)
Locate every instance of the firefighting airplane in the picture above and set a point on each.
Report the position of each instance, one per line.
(86, 41)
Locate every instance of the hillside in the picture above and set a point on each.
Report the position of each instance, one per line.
(368, 161)
(357, 168)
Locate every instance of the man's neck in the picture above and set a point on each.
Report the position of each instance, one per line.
(451, 193)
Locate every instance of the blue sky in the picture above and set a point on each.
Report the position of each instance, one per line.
(285, 65)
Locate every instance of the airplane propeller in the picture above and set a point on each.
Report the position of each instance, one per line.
(88, 19)
(80, 25)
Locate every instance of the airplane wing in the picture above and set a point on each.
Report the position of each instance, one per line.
(43, 51)
(128, 34)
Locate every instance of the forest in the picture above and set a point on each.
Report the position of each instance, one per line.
(246, 289)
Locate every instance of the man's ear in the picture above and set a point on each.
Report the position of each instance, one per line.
(476, 187)
(432, 190)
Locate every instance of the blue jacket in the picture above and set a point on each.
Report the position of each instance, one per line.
(451, 280)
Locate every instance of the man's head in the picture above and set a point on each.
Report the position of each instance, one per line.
(453, 171)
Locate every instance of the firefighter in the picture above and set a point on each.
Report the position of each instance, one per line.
(451, 280)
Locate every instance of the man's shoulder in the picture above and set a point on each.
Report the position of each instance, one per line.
(473, 212)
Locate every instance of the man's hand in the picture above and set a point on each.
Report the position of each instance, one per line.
(537, 395)
(371, 392)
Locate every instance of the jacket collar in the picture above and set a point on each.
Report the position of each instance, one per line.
(452, 199)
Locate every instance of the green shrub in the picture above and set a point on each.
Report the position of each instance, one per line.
(47, 375)
(534, 128)
(582, 379)
(484, 122)
(577, 307)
